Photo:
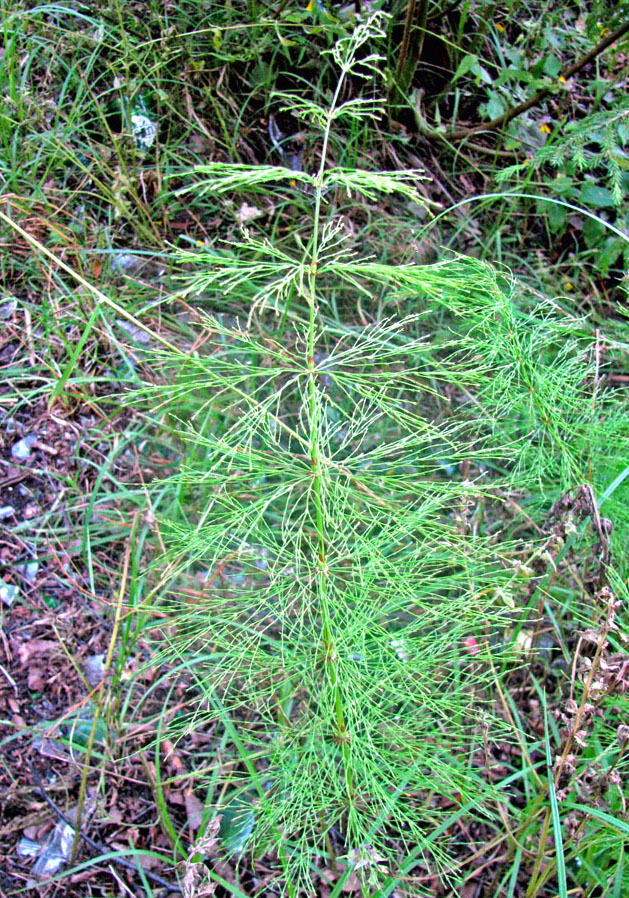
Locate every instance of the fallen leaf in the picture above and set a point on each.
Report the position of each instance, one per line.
(195, 883)
(194, 810)
(33, 648)
(35, 680)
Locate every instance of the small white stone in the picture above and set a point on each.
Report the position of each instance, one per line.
(22, 449)
(8, 593)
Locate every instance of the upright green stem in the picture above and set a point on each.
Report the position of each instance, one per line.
(330, 652)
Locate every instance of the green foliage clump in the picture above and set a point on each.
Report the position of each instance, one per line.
(350, 595)
(585, 154)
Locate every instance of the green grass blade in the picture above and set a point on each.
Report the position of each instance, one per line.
(613, 486)
(69, 368)
(608, 819)
(554, 810)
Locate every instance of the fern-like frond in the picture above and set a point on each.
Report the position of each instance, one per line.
(220, 177)
(328, 553)
(373, 184)
(598, 140)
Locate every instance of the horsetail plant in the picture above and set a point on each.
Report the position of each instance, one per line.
(339, 510)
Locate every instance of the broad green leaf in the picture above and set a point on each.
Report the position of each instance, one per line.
(600, 197)
(552, 66)
(468, 64)
(237, 822)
